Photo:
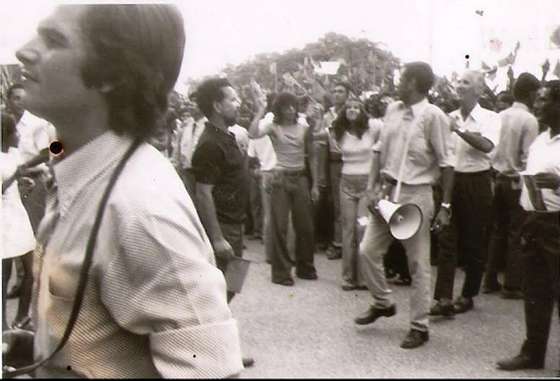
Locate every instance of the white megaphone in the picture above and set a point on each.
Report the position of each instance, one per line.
(403, 220)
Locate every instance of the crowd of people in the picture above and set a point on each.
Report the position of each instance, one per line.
(302, 175)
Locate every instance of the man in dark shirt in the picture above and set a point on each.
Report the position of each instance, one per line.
(221, 177)
(219, 171)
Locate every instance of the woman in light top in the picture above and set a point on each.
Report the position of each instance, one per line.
(291, 141)
(354, 134)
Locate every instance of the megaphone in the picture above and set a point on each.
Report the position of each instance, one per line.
(403, 220)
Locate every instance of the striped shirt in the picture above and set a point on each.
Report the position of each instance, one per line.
(155, 304)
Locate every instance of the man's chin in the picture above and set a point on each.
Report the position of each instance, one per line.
(230, 122)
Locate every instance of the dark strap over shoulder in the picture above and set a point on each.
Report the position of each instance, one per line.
(88, 258)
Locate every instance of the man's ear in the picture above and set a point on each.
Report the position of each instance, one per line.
(217, 106)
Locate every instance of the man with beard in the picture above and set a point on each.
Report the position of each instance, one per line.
(221, 177)
(540, 234)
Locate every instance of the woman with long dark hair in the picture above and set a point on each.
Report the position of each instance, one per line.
(355, 136)
(290, 187)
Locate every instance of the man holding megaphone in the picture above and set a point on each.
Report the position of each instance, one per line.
(409, 157)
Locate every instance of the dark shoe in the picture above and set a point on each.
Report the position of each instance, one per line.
(414, 339)
(511, 294)
(347, 286)
(442, 310)
(285, 282)
(373, 313)
(521, 361)
(308, 276)
(248, 362)
(463, 304)
(24, 323)
(491, 287)
(334, 253)
(361, 287)
(402, 281)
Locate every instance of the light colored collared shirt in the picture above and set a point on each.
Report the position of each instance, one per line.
(262, 149)
(155, 304)
(544, 156)
(519, 130)
(429, 147)
(480, 120)
(189, 139)
(35, 134)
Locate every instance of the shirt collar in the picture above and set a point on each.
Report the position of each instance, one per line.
(220, 131)
(75, 171)
(549, 138)
(476, 113)
(417, 108)
(520, 105)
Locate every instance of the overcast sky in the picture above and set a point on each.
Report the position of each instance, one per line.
(441, 32)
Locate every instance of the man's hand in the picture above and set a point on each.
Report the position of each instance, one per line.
(443, 219)
(26, 185)
(259, 97)
(315, 193)
(547, 180)
(454, 124)
(377, 194)
(223, 250)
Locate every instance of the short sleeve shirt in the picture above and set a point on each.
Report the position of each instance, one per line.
(218, 161)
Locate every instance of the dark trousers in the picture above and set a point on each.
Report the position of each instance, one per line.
(290, 192)
(255, 205)
(323, 217)
(541, 281)
(466, 236)
(233, 234)
(505, 241)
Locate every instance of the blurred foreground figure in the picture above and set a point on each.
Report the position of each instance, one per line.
(540, 233)
(155, 304)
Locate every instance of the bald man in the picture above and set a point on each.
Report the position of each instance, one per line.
(476, 132)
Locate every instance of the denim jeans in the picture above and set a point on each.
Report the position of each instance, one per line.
(290, 193)
(266, 192)
(353, 204)
(377, 240)
(335, 168)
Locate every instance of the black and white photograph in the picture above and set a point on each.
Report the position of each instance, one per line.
(293, 189)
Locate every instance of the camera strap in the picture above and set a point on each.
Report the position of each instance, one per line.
(84, 271)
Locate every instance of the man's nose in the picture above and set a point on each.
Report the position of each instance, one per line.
(27, 54)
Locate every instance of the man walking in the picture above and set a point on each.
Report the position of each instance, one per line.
(418, 132)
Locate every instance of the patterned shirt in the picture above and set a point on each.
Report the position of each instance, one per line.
(429, 146)
(155, 304)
